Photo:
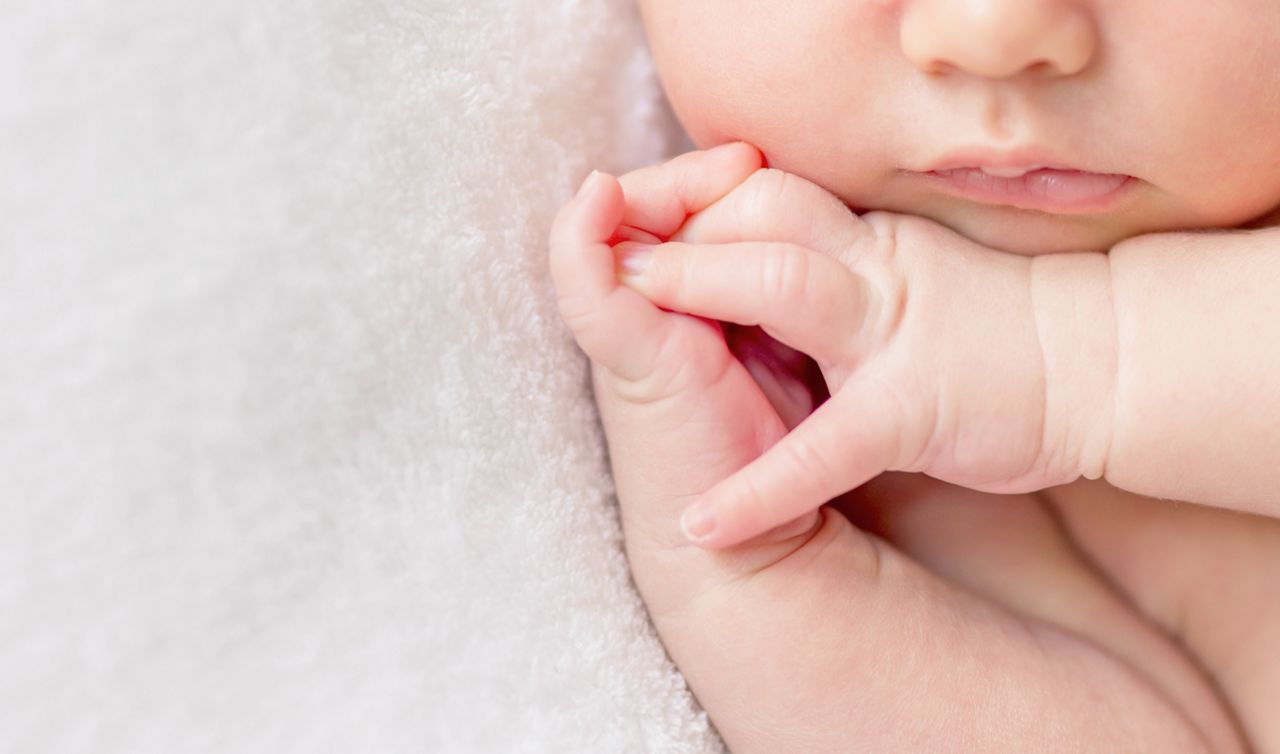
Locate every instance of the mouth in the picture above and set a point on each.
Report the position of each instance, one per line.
(1021, 181)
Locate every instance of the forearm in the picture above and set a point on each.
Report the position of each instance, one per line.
(894, 659)
(1195, 393)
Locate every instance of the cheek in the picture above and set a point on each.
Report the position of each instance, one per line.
(740, 86)
(810, 88)
(1206, 109)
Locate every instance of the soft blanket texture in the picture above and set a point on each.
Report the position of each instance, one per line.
(296, 454)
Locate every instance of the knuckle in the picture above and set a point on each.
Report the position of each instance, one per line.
(666, 273)
(776, 190)
(765, 187)
(771, 178)
(807, 462)
(888, 228)
(786, 188)
(757, 199)
(888, 267)
(784, 274)
(577, 312)
(680, 179)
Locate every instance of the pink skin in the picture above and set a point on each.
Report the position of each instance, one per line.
(867, 298)
(1052, 609)
(1074, 659)
(863, 97)
(1040, 74)
(1065, 365)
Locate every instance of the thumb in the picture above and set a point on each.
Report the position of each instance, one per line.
(660, 198)
(847, 441)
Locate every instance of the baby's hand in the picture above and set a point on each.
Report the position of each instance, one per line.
(817, 636)
(680, 411)
(942, 356)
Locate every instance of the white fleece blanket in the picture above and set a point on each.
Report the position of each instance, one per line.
(295, 454)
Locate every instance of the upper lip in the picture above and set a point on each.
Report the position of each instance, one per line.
(1026, 158)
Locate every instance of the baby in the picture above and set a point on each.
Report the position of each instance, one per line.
(986, 224)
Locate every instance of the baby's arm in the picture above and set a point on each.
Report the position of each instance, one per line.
(1196, 396)
(818, 636)
(994, 371)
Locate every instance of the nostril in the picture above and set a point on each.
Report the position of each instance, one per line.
(939, 68)
(1039, 69)
(997, 39)
(1042, 68)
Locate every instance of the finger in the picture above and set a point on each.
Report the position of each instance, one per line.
(595, 307)
(808, 301)
(661, 197)
(773, 205)
(847, 441)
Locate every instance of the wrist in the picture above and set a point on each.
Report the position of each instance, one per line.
(1076, 323)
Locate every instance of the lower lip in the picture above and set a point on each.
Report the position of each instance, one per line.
(1047, 189)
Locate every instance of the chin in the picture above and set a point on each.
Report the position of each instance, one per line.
(1032, 233)
(1017, 231)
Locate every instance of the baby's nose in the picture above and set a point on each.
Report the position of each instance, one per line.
(998, 38)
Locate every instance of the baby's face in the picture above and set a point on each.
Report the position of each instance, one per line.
(1124, 116)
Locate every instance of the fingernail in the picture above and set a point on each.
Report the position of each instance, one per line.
(698, 521)
(589, 184)
(635, 258)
